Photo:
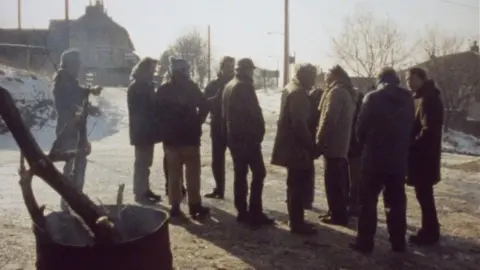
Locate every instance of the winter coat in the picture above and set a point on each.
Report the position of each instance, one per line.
(384, 127)
(69, 97)
(314, 98)
(182, 109)
(140, 99)
(214, 93)
(355, 149)
(242, 113)
(337, 107)
(294, 145)
(426, 147)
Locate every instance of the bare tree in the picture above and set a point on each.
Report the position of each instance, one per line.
(164, 63)
(455, 70)
(193, 48)
(367, 44)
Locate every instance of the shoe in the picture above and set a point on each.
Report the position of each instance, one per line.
(243, 218)
(424, 239)
(337, 222)
(261, 220)
(215, 195)
(176, 212)
(153, 197)
(327, 215)
(360, 247)
(303, 229)
(198, 211)
(399, 247)
(308, 206)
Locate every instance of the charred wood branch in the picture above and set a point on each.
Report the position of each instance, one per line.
(41, 166)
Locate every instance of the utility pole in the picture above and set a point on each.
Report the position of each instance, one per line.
(209, 55)
(67, 10)
(19, 14)
(286, 45)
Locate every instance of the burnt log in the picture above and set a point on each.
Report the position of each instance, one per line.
(138, 237)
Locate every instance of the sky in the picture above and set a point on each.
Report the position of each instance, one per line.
(240, 27)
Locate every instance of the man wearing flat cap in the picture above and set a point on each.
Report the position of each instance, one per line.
(245, 128)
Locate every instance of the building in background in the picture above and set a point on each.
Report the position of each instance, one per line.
(106, 48)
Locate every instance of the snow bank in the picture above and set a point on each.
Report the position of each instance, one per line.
(28, 89)
(460, 143)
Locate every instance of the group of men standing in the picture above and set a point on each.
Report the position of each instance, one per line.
(378, 142)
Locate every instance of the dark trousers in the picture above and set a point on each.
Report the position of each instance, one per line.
(244, 158)
(219, 146)
(298, 187)
(309, 186)
(395, 203)
(425, 197)
(336, 187)
(141, 170)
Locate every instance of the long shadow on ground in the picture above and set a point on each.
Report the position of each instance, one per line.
(276, 248)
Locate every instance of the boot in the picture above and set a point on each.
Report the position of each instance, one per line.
(198, 211)
(215, 195)
(365, 248)
(423, 238)
(261, 219)
(303, 229)
(176, 212)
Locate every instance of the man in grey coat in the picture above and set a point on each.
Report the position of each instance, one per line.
(69, 97)
(384, 127)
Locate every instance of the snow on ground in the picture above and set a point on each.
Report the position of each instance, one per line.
(221, 243)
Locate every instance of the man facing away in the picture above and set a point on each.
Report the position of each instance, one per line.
(337, 108)
(294, 147)
(140, 99)
(425, 153)
(214, 92)
(183, 110)
(245, 127)
(384, 126)
(69, 98)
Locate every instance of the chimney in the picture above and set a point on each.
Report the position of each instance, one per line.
(474, 47)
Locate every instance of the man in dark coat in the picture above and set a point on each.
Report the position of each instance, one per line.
(243, 117)
(69, 98)
(183, 110)
(384, 127)
(425, 152)
(140, 99)
(213, 93)
(294, 146)
(354, 164)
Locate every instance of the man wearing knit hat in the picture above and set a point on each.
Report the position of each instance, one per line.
(69, 97)
(182, 110)
(245, 128)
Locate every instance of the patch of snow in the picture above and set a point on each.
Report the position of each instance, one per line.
(461, 143)
(27, 88)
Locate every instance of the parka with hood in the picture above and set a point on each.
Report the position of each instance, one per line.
(384, 127)
(337, 108)
(426, 148)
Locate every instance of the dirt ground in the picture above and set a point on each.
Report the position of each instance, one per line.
(220, 243)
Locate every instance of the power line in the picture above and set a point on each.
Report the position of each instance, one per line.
(459, 4)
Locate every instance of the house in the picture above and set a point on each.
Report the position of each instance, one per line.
(105, 47)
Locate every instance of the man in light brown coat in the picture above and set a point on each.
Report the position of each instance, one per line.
(294, 146)
(337, 109)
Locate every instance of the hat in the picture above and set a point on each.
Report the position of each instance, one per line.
(245, 63)
(179, 65)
